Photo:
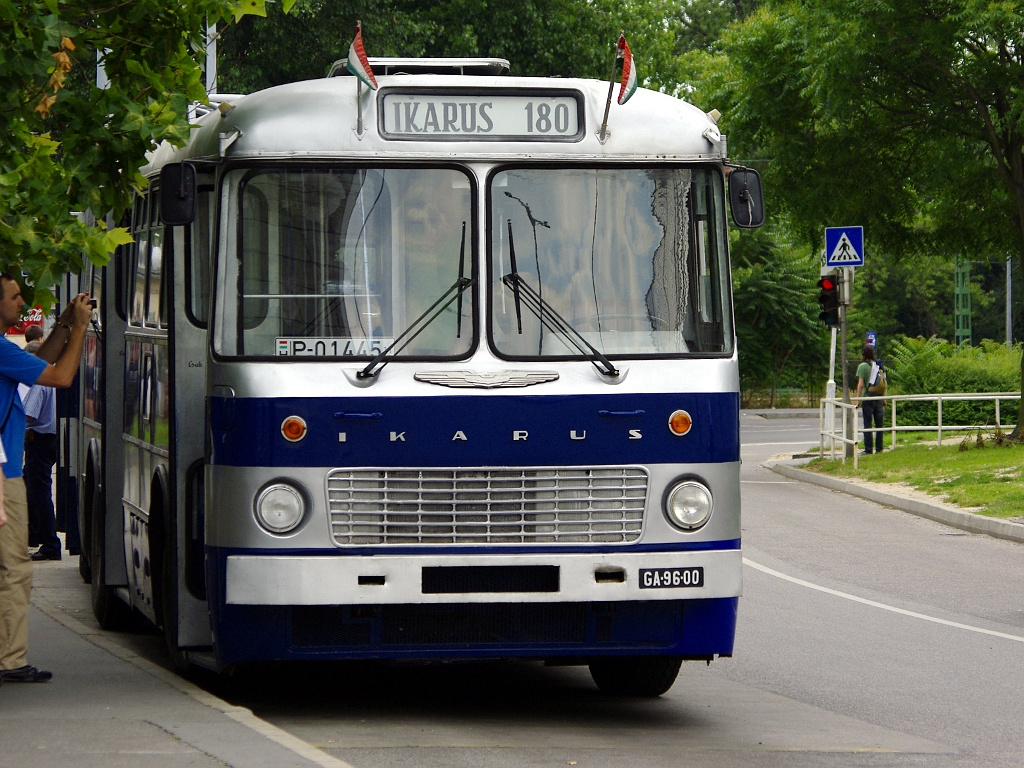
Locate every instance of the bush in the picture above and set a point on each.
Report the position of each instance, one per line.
(932, 366)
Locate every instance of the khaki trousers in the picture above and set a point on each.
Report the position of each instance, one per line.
(15, 577)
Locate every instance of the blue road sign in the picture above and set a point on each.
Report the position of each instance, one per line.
(872, 339)
(844, 246)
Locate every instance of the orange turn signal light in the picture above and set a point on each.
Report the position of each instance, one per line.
(293, 428)
(679, 423)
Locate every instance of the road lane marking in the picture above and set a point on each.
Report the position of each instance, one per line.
(883, 606)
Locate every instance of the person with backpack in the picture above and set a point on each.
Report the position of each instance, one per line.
(871, 377)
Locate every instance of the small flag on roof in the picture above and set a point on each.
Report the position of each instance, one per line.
(357, 63)
(628, 87)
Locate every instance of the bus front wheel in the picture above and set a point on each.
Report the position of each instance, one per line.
(110, 611)
(164, 549)
(647, 676)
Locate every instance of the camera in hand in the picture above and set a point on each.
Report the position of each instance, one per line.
(92, 303)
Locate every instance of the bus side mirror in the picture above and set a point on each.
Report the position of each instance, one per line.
(745, 198)
(178, 194)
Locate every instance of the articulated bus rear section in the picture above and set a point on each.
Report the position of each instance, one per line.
(441, 371)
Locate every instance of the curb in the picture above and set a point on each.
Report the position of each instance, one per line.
(241, 715)
(1001, 529)
(782, 413)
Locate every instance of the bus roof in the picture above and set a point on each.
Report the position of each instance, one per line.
(318, 119)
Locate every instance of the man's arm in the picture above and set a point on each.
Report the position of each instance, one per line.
(54, 343)
(62, 373)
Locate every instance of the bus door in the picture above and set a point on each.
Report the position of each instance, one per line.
(68, 431)
(192, 248)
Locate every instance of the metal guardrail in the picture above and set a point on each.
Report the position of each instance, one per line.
(847, 435)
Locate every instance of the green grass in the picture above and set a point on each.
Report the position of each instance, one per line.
(990, 477)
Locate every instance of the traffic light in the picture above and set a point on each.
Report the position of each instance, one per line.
(828, 300)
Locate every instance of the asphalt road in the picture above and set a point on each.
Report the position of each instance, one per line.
(866, 637)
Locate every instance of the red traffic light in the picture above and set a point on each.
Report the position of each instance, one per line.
(828, 300)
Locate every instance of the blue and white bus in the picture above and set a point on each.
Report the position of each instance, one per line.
(445, 370)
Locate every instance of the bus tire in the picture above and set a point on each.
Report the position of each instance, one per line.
(642, 676)
(110, 611)
(163, 542)
(84, 570)
(89, 493)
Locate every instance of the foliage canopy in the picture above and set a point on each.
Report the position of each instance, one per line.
(566, 38)
(67, 145)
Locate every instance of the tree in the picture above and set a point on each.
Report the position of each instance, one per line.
(702, 22)
(68, 146)
(568, 38)
(904, 115)
(777, 328)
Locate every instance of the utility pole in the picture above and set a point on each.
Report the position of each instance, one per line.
(962, 301)
(1009, 301)
(211, 58)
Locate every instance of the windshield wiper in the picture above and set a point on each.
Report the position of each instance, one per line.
(555, 323)
(455, 291)
(416, 327)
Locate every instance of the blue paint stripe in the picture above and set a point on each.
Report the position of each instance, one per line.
(468, 431)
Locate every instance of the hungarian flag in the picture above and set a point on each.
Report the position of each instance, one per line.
(628, 87)
(358, 64)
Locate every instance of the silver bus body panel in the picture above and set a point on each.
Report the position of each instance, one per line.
(309, 379)
(284, 580)
(231, 522)
(316, 119)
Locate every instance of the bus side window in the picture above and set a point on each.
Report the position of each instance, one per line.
(117, 269)
(137, 264)
(155, 277)
(199, 238)
(253, 258)
(96, 284)
(706, 280)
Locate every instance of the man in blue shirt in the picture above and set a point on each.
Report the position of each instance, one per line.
(40, 456)
(63, 348)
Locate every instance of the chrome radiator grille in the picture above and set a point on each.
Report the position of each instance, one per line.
(555, 505)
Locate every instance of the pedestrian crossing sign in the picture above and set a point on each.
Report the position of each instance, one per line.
(844, 246)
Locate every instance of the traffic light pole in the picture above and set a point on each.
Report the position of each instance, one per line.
(849, 414)
(835, 289)
(830, 391)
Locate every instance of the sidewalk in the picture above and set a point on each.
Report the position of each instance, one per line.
(109, 706)
(876, 492)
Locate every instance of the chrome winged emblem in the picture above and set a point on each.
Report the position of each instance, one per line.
(486, 379)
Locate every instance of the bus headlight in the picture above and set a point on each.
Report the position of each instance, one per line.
(688, 505)
(279, 508)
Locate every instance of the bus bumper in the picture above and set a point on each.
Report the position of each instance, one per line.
(555, 606)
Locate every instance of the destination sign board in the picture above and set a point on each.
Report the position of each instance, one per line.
(473, 115)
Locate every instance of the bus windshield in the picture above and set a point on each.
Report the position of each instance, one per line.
(335, 262)
(633, 259)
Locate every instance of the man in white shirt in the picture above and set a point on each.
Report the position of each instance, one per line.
(40, 456)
